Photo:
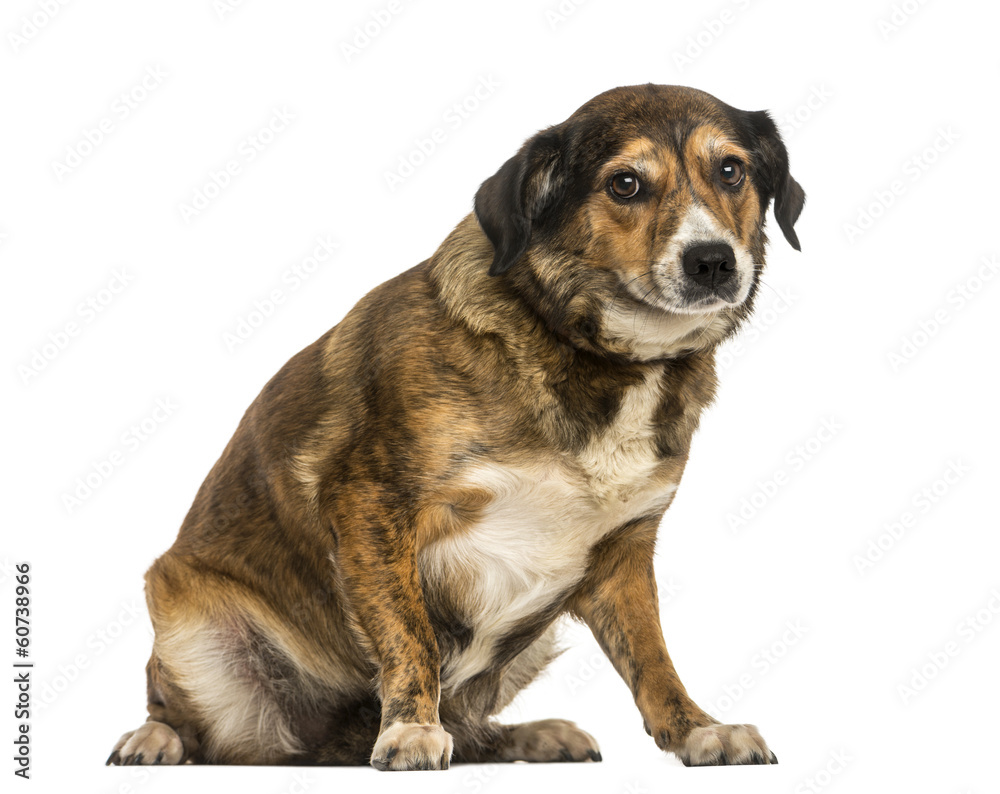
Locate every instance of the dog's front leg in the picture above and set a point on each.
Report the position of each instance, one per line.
(377, 570)
(618, 601)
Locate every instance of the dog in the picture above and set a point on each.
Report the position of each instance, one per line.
(376, 564)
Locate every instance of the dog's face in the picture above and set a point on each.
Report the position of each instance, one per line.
(637, 225)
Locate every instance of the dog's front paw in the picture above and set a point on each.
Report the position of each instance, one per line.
(412, 745)
(722, 745)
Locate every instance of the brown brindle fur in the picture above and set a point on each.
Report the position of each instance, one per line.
(304, 614)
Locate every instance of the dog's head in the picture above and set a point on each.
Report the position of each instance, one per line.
(637, 225)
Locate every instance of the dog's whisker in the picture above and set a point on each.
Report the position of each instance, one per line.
(642, 305)
(624, 286)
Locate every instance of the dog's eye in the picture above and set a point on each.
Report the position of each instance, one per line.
(624, 184)
(731, 172)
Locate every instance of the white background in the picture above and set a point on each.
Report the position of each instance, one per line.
(891, 121)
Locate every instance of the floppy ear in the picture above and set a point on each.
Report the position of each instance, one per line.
(515, 197)
(772, 165)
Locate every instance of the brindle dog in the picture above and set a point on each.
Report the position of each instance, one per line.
(377, 562)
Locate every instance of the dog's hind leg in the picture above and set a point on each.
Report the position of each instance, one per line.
(479, 739)
(165, 738)
(350, 735)
(543, 740)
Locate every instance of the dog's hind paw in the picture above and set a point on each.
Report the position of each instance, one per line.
(550, 740)
(152, 744)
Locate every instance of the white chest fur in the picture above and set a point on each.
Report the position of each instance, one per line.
(531, 545)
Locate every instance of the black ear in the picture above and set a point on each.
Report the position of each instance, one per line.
(771, 158)
(515, 197)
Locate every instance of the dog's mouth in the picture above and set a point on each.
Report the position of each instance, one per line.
(653, 323)
(705, 302)
(679, 296)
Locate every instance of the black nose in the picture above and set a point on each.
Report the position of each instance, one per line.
(710, 265)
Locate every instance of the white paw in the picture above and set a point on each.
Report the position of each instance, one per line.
(411, 745)
(722, 745)
(152, 744)
(551, 740)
